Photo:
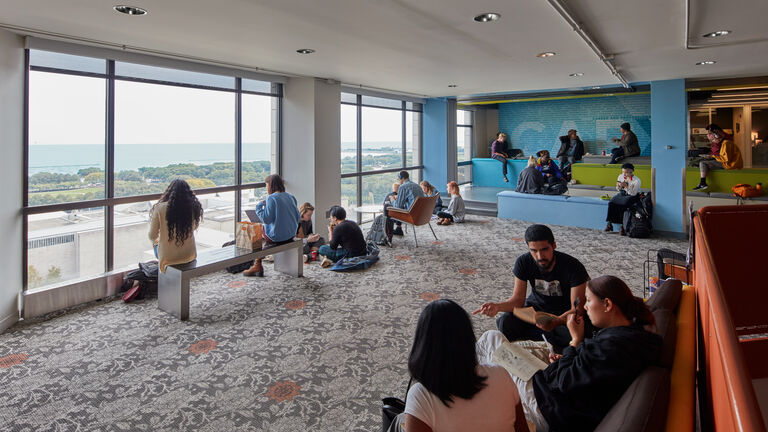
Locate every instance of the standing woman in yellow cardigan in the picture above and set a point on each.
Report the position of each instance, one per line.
(724, 155)
(173, 222)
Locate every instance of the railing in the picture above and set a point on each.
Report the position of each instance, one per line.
(722, 287)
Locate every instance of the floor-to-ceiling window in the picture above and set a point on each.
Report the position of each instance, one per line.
(464, 123)
(379, 137)
(105, 137)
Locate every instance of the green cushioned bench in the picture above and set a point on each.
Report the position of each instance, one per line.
(718, 180)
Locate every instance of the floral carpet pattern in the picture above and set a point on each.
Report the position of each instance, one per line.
(275, 353)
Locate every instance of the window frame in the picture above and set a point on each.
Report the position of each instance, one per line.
(471, 135)
(110, 201)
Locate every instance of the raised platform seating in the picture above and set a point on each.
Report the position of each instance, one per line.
(603, 160)
(605, 175)
(585, 212)
(486, 172)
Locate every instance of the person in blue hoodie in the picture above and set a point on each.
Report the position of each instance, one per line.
(548, 168)
(279, 214)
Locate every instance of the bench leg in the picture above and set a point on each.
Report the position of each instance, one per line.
(173, 293)
(290, 262)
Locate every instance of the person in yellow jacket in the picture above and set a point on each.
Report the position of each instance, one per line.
(724, 155)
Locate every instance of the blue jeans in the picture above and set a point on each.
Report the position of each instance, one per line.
(332, 254)
(616, 155)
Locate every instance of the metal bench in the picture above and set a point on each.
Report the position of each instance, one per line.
(173, 284)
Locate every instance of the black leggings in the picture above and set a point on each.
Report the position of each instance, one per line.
(445, 215)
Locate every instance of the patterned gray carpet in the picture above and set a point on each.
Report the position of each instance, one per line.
(273, 354)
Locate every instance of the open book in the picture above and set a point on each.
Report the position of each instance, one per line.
(517, 360)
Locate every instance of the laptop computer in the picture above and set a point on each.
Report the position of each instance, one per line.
(253, 216)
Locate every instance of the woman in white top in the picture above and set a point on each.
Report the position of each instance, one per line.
(454, 392)
(628, 186)
(174, 219)
(456, 209)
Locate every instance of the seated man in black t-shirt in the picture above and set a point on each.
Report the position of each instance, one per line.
(346, 238)
(556, 279)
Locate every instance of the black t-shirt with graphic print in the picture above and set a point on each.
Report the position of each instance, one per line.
(551, 292)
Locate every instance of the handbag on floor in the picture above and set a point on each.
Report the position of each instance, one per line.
(391, 407)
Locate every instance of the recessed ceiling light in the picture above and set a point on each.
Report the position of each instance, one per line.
(577, 74)
(452, 85)
(705, 63)
(130, 10)
(487, 17)
(717, 33)
(545, 54)
(305, 51)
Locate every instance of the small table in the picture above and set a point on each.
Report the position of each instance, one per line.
(370, 208)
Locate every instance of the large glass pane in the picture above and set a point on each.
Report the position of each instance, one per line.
(348, 98)
(66, 138)
(259, 137)
(256, 86)
(464, 175)
(133, 70)
(759, 136)
(166, 132)
(382, 138)
(464, 117)
(463, 143)
(381, 102)
(132, 245)
(248, 200)
(67, 62)
(348, 138)
(348, 197)
(64, 246)
(412, 138)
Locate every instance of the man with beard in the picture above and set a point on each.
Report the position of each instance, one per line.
(558, 282)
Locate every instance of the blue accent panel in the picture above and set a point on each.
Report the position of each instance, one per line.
(585, 212)
(669, 105)
(487, 172)
(534, 126)
(435, 158)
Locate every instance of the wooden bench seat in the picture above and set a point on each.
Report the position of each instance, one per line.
(173, 284)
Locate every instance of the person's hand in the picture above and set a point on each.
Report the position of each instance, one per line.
(330, 230)
(313, 238)
(575, 328)
(488, 309)
(554, 357)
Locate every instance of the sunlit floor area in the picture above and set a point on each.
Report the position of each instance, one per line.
(274, 354)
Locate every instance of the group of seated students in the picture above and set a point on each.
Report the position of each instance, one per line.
(541, 176)
(178, 213)
(597, 354)
(404, 194)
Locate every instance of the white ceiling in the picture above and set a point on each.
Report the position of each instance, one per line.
(422, 46)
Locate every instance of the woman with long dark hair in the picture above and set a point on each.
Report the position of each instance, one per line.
(280, 216)
(454, 392)
(173, 221)
(580, 386)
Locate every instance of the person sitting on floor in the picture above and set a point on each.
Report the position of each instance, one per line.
(725, 155)
(456, 209)
(406, 195)
(571, 150)
(173, 221)
(345, 237)
(429, 191)
(556, 183)
(453, 391)
(279, 216)
(557, 281)
(628, 144)
(628, 186)
(530, 180)
(579, 387)
(312, 242)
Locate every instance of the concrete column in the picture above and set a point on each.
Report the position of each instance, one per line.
(311, 144)
(669, 142)
(11, 172)
(439, 148)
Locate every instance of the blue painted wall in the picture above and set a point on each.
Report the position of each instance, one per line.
(534, 126)
(435, 130)
(669, 105)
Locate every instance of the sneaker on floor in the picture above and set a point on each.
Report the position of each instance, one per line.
(325, 263)
(306, 258)
(701, 187)
(609, 227)
(506, 179)
(398, 231)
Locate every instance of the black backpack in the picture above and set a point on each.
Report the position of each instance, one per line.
(637, 219)
(146, 275)
(378, 232)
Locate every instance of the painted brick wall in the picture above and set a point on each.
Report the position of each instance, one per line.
(534, 126)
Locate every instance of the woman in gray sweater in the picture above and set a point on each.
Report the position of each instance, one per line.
(456, 210)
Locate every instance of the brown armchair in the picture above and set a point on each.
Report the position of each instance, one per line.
(419, 214)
